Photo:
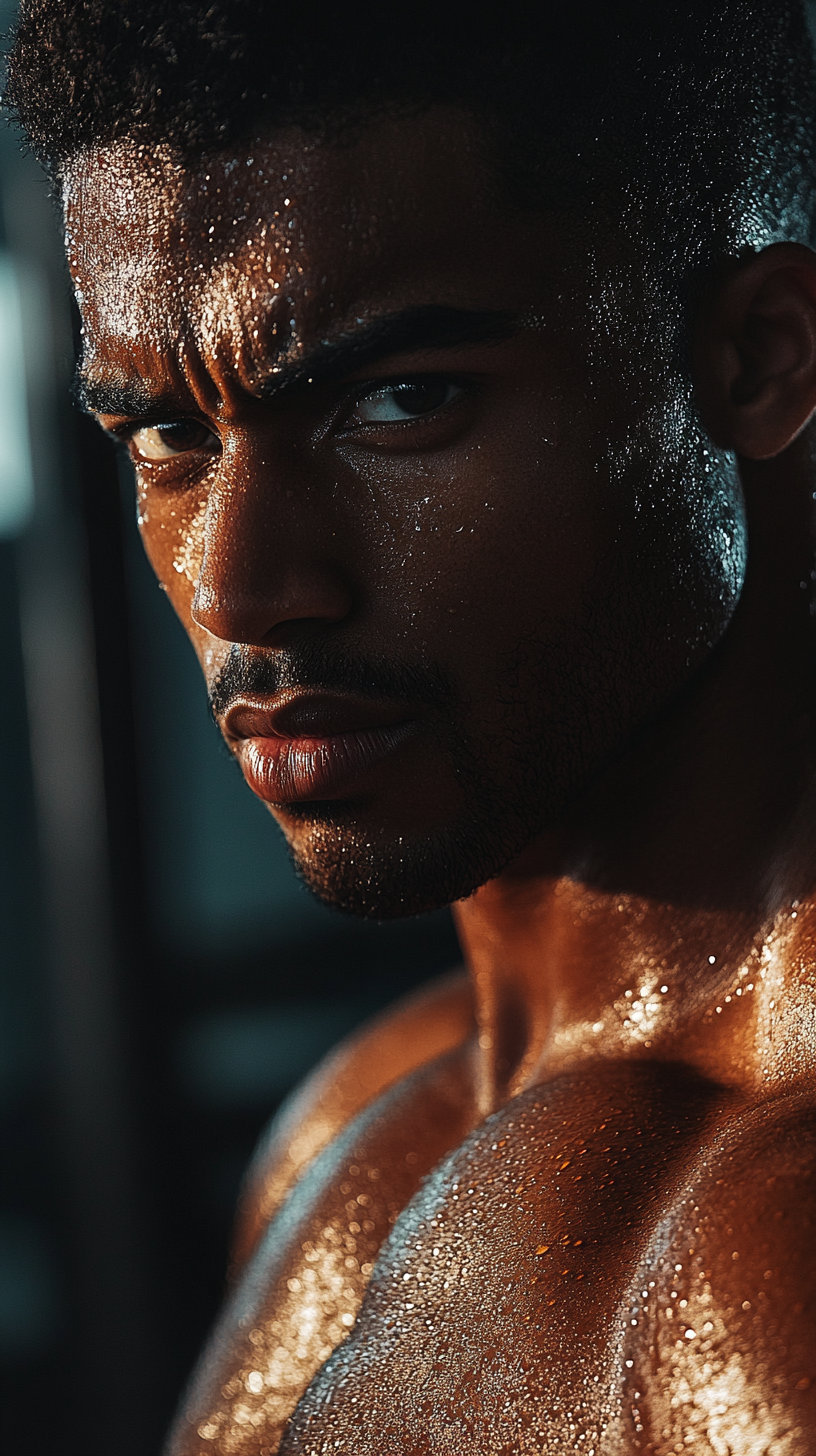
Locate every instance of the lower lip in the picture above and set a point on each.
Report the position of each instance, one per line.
(292, 770)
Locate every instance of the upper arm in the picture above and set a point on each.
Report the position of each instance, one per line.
(425, 1025)
(730, 1305)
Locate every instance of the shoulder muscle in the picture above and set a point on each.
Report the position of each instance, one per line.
(722, 1328)
(421, 1027)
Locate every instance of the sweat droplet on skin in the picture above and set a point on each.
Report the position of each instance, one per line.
(189, 557)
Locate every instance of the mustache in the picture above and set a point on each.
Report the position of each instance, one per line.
(248, 673)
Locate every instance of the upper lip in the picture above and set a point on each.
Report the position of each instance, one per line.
(308, 714)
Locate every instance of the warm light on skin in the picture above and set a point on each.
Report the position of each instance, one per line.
(378, 532)
(619, 619)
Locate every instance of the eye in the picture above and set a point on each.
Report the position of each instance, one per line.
(167, 441)
(409, 400)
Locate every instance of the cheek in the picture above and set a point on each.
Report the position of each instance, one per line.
(189, 545)
(500, 532)
(174, 548)
(691, 535)
(722, 534)
(173, 535)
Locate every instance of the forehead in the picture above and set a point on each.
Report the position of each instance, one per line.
(285, 229)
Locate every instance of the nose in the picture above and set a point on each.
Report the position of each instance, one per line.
(271, 567)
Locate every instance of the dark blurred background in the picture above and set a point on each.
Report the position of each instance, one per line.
(164, 979)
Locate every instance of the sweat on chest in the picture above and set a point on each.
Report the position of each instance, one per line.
(499, 1306)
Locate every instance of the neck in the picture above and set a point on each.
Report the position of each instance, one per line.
(672, 914)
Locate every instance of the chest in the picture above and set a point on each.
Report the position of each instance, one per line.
(502, 1311)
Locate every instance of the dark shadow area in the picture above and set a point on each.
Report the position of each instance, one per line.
(165, 980)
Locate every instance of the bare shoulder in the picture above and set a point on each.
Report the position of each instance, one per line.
(417, 1029)
(566, 1280)
(722, 1323)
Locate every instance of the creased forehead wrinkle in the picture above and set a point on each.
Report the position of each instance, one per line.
(178, 255)
(141, 233)
(243, 257)
(235, 310)
(121, 239)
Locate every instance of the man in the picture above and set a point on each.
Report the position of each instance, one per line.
(466, 362)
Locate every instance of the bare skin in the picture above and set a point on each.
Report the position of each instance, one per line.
(424, 1027)
(612, 1250)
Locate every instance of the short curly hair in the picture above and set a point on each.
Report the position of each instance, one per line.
(597, 94)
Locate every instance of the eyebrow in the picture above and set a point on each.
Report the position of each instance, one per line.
(432, 326)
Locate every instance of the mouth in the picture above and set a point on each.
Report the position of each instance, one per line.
(312, 746)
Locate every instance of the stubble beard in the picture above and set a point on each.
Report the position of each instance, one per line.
(570, 705)
(557, 725)
(377, 878)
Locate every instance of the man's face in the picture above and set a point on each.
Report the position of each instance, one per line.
(420, 477)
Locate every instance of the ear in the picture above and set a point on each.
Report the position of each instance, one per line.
(754, 354)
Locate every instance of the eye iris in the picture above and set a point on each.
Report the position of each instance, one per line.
(181, 435)
(421, 396)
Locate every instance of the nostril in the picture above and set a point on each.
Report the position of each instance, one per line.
(301, 604)
(296, 629)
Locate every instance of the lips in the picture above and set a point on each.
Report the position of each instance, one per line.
(312, 746)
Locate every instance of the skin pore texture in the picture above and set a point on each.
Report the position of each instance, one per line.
(490, 613)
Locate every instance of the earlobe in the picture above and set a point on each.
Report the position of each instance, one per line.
(754, 356)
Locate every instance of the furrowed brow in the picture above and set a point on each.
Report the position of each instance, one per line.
(134, 399)
(412, 330)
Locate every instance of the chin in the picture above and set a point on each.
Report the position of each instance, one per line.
(376, 878)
